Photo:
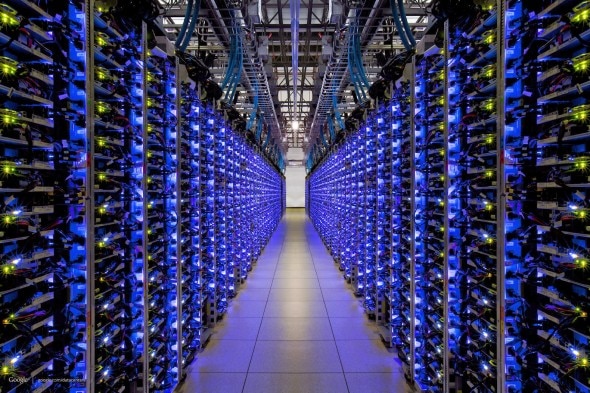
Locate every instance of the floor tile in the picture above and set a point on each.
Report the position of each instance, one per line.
(258, 282)
(345, 308)
(284, 267)
(329, 273)
(303, 283)
(240, 308)
(295, 383)
(301, 329)
(268, 273)
(302, 294)
(337, 294)
(295, 309)
(295, 357)
(213, 383)
(377, 383)
(232, 328)
(303, 273)
(333, 282)
(357, 328)
(367, 356)
(226, 356)
(252, 294)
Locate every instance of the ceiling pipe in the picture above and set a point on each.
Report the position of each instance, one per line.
(295, 5)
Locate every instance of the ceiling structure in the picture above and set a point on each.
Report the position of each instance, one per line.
(267, 28)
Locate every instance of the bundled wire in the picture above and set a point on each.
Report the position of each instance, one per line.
(254, 112)
(234, 70)
(356, 69)
(188, 24)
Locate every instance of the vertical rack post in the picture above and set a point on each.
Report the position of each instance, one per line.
(501, 199)
(412, 357)
(89, 198)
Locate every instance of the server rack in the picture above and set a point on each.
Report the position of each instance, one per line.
(488, 214)
(103, 242)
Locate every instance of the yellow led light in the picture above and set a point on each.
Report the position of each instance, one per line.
(5, 370)
(102, 177)
(8, 66)
(489, 37)
(489, 173)
(101, 244)
(489, 105)
(102, 107)
(581, 63)
(8, 16)
(584, 362)
(581, 13)
(580, 113)
(490, 139)
(8, 169)
(101, 39)
(7, 269)
(102, 210)
(8, 116)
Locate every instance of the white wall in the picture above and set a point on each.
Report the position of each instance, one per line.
(295, 178)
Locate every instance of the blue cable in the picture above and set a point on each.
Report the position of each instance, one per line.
(259, 130)
(332, 130)
(238, 75)
(232, 54)
(404, 19)
(187, 38)
(398, 25)
(361, 67)
(187, 16)
(322, 136)
(267, 139)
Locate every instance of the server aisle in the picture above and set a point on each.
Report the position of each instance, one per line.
(295, 327)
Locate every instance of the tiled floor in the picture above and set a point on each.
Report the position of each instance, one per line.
(295, 327)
